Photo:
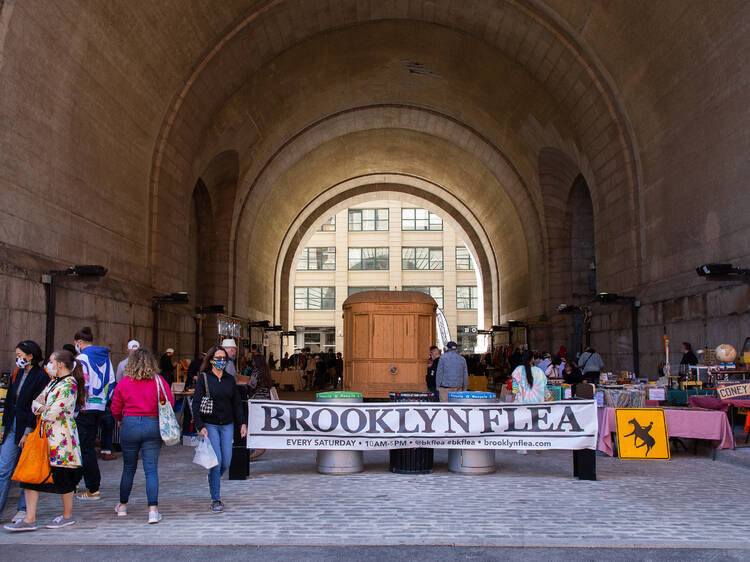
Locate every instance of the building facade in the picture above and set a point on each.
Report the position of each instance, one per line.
(382, 245)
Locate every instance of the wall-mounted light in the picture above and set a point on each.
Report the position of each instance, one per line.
(176, 298)
(722, 272)
(210, 309)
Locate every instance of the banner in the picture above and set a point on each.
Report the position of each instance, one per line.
(733, 391)
(567, 424)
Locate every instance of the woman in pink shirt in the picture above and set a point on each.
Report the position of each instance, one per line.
(135, 406)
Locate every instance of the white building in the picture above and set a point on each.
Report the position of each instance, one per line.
(384, 245)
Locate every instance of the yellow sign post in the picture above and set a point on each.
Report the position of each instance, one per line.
(642, 433)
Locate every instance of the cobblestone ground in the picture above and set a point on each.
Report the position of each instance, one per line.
(532, 500)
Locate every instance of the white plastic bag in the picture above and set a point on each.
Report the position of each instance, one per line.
(204, 454)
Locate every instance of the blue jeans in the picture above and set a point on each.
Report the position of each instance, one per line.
(221, 437)
(9, 454)
(140, 434)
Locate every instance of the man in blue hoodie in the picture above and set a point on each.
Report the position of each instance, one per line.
(100, 384)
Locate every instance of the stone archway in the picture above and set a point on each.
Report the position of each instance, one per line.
(430, 195)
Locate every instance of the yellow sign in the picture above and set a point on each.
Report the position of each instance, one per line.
(642, 433)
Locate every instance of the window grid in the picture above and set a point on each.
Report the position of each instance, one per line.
(315, 298)
(463, 259)
(435, 292)
(368, 259)
(370, 220)
(420, 219)
(421, 258)
(317, 259)
(466, 297)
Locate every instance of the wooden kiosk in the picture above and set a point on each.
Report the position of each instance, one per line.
(387, 338)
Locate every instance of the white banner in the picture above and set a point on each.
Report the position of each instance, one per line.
(567, 424)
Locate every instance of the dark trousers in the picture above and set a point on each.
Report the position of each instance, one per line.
(107, 425)
(88, 424)
(592, 377)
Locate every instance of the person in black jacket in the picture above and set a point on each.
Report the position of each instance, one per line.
(218, 424)
(432, 369)
(28, 381)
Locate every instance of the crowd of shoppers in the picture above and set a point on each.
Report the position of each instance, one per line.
(77, 398)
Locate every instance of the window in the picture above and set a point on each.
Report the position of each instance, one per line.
(466, 298)
(329, 225)
(466, 338)
(421, 258)
(435, 292)
(317, 339)
(463, 258)
(368, 219)
(317, 259)
(355, 290)
(368, 258)
(420, 219)
(314, 298)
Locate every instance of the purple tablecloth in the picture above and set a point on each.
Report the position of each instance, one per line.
(711, 425)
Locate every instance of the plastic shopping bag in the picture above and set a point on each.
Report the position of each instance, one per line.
(205, 455)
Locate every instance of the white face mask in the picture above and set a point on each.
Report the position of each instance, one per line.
(21, 362)
(78, 348)
(51, 369)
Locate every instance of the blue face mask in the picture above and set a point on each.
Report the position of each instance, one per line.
(219, 363)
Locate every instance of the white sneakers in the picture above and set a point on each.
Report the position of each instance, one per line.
(153, 516)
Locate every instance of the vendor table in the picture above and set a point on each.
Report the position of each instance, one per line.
(724, 405)
(711, 425)
(292, 377)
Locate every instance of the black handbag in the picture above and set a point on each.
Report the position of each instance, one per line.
(207, 403)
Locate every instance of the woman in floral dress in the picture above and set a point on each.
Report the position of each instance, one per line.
(56, 407)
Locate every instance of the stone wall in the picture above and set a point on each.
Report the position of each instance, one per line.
(116, 311)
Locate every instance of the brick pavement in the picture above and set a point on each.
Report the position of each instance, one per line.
(532, 500)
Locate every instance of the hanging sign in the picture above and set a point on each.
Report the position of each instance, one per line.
(568, 425)
(734, 391)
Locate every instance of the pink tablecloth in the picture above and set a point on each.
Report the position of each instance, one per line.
(712, 425)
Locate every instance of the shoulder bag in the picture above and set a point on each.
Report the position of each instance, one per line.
(33, 465)
(168, 426)
(207, 403)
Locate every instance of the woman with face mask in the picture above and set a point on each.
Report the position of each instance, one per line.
(28, 380)
(56, 407)
(218, 425)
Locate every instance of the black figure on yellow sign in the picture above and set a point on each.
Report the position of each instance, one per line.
(641, 433)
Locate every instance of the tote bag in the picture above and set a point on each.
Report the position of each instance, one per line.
(168, 426)
(33, 465)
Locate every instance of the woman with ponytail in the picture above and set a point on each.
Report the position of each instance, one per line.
(529, 382)
(56, 407)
